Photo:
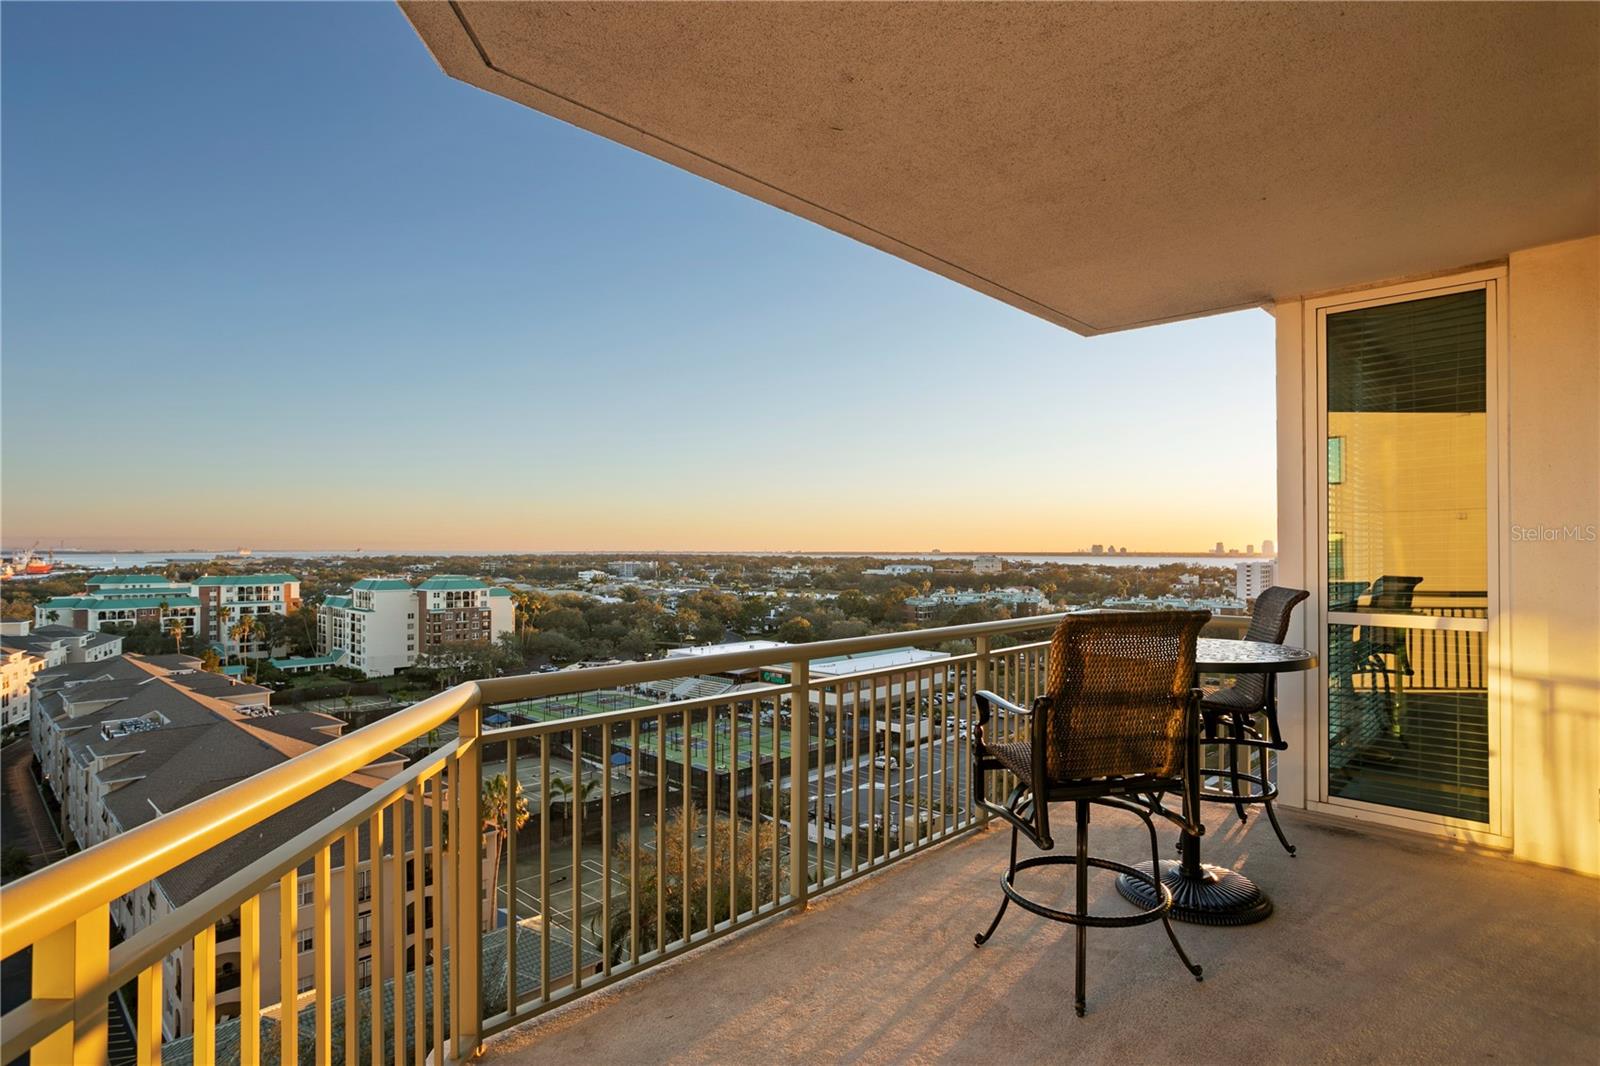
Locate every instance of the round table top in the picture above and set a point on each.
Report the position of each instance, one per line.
(1214, 656)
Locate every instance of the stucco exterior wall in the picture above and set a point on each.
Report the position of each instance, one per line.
(1553, 586)
(1549, 659)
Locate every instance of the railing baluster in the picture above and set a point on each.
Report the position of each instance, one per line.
(375, 919)
(777, 793)
(575, 809)
(684, 749)
(450, 919)
(660, 829)
(733, 812)
(439, 922)
(350, 939)
(839, 781)
(148, 1036)
(711, 819)
(900, 792)
(545, 917)
(468, 961)
(756, 849)
(322, 961)
(288, 968)
(419, 925)
(510, 830)
(605, 848)
(250, 979)
(634, 764)
(870, 688)
(397, 942)
(891, 764)
(65, 961)
(205, 996)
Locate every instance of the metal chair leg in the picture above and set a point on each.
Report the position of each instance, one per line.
(1276, 828)
(1236, 731)
(1166, 923)
(1005, 900)
(1083, 901)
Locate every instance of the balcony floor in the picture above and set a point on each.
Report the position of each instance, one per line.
(1383, 948)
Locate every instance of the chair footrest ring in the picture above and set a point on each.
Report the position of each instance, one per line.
(1262, 792)
(1106, 921)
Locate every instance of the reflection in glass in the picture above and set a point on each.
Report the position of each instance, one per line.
(1407, 719)
(1408, 539)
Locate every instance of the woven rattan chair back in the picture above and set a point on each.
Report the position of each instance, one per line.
(1118, 687)
(1269, 622)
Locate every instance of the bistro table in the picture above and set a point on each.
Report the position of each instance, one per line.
(1201, 893)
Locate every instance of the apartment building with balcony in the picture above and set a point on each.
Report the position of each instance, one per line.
(1409, 191)
(454, 609)
(123, 599)
(226, 598)
(25, 652)
(374, 627)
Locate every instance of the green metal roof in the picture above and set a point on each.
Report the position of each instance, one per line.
(381, 584)
(117, 603)
(295, 662)
(129, 579)
(246, 579)
(336, 601)
(498, 591)
(443, 582)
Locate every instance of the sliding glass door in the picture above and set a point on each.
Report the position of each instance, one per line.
(1407, 435)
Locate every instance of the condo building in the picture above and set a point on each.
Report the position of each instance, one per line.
(207, 608)
(386, 623)
(226, 598)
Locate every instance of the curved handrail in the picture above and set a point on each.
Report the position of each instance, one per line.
(37, 1018)
(534, 686)
(42, 902)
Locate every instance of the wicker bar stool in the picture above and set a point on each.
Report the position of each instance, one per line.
(1117, 727)
(1230, 717)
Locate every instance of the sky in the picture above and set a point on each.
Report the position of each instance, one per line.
(270, 279)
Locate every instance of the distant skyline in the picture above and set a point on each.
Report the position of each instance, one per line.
(272, 280)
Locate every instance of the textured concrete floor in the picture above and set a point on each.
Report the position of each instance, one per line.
(1384, 948)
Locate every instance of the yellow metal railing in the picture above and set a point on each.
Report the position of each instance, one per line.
(875, 765)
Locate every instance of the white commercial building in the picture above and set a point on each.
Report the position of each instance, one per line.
(1253, 578)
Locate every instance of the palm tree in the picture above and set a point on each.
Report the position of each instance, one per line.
(52, 617)
(498, 807)
(247, 627)
(175, 631)
(236, 634)
(223, 614)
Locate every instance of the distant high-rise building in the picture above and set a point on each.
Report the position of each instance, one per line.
(1254, 577)
(1269, 548)
(1218, 550)
(1249, 549)
(987, 564)
(1098, 549)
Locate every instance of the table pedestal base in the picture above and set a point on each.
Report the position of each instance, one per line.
(1218, 896)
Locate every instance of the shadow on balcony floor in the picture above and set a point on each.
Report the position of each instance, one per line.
(1383, 949)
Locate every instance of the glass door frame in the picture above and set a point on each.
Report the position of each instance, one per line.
(1492, 282)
